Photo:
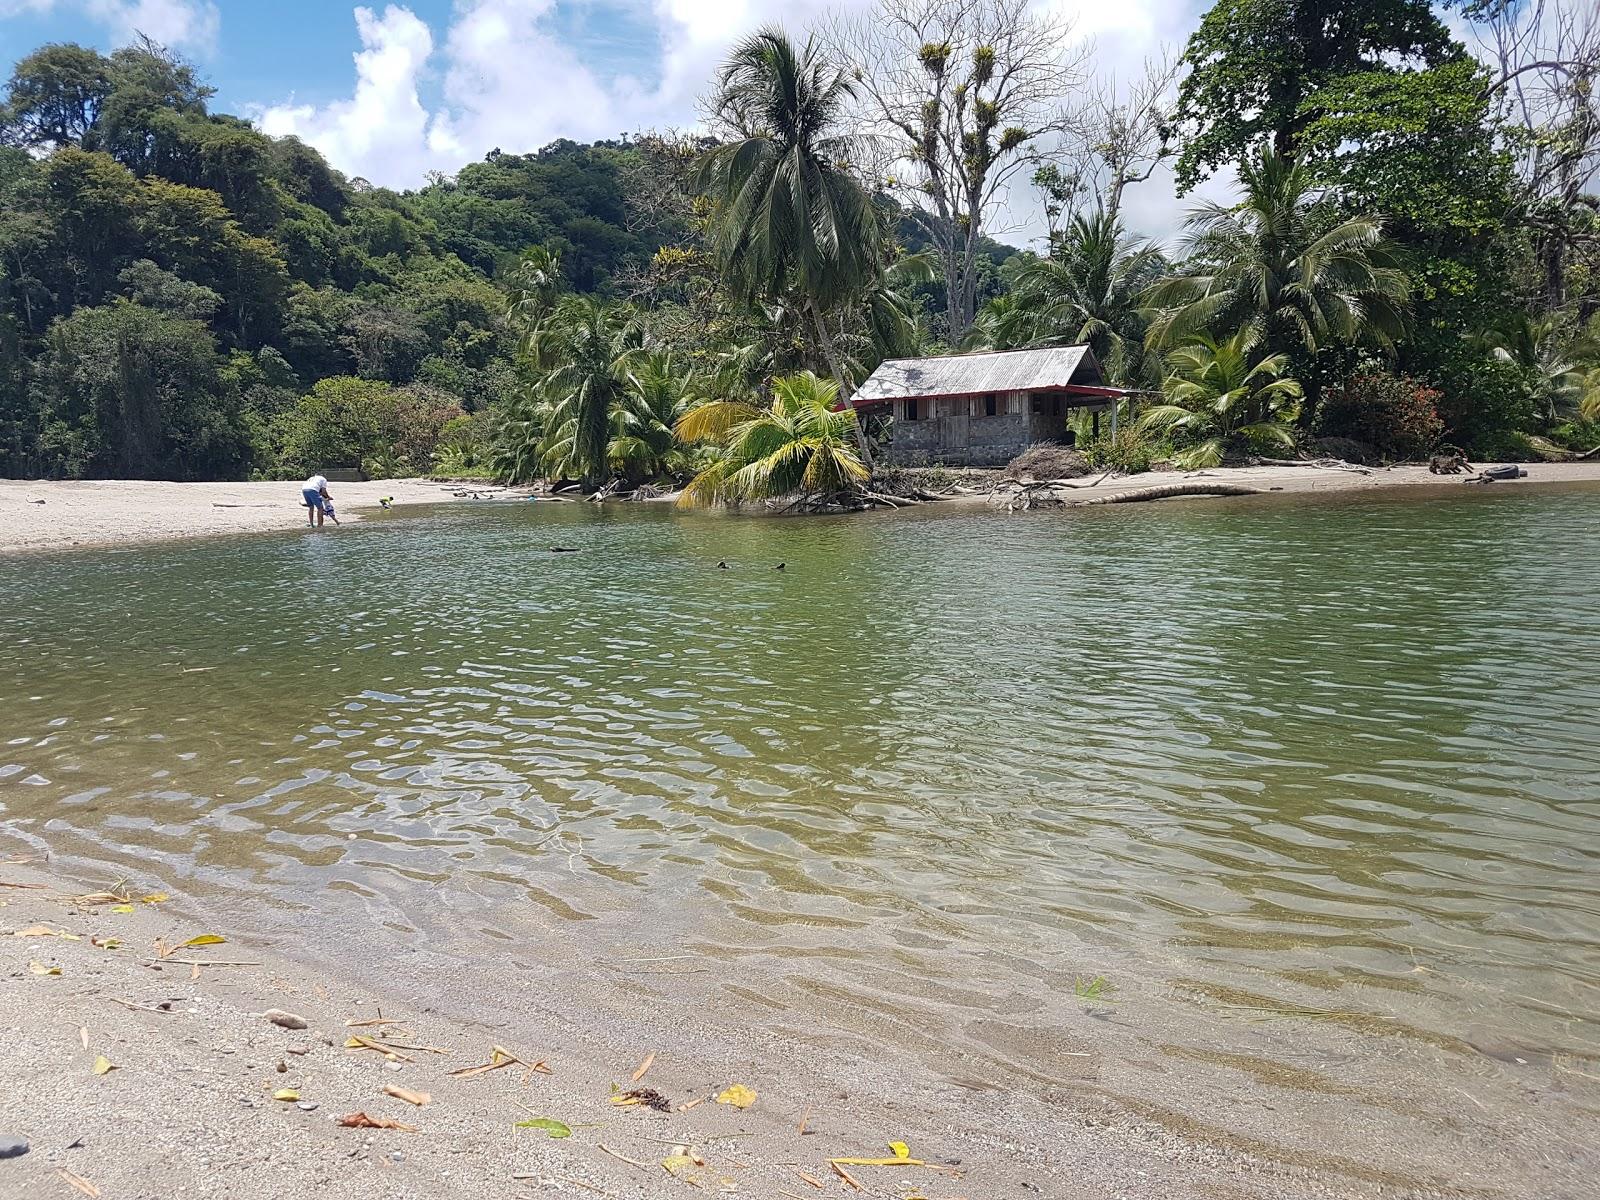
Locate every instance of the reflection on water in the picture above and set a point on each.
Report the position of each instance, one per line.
(1333, 757)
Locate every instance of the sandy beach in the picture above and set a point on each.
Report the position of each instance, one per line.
(58, 515)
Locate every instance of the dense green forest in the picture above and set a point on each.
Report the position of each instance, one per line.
(1410, 257)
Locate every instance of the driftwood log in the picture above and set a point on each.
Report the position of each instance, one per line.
(1167, 491)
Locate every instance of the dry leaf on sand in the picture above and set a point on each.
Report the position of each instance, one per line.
(738, 1095)
(103, 1065)
(406, 1094)
(79, 1182)
(360, 1120)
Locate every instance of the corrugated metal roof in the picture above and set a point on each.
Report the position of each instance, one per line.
(979, 374)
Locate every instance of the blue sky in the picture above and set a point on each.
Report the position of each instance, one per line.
(393, 91)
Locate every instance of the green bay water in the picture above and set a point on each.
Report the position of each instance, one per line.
(1326, 760)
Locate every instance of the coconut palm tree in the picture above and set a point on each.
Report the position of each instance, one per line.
(1217, 398)
(787, 217)
(799, 443)
(657, 395)
(1090, 290)
(580, 354)
(1281, 267)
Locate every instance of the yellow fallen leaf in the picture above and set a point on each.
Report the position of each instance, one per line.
(286, 1094)
(39, 968)
(675, 1164)
(154, 898)
(103, 1065)
(37, 931)
(106, 943)
(738, 1095)
(900, 1149)
(122, 908)
(203, 939)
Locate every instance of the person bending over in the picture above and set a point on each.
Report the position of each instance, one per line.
(314, 493)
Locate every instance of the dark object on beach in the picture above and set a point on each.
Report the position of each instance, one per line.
(563, 549)
(648, 1097)
(1046, 460)
(1493, 474)
(722, 566)
(780, 566)
(36, 502)
(1448, 464)
(13, 1147)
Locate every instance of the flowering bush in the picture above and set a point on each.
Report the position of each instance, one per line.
(1397, 414)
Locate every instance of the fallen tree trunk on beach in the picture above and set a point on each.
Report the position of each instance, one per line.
(1167, 491)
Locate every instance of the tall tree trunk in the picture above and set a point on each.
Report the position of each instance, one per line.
(836, 369)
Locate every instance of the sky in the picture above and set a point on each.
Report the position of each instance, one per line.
(390, 92)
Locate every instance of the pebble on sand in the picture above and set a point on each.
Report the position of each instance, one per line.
(12, 1147)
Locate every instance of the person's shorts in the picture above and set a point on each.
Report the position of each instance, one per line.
(313, 499)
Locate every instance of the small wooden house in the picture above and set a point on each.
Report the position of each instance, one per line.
(985, 408)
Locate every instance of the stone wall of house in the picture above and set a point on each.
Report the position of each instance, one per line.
(959, 441)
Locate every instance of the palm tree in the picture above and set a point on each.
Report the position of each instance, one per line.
(787, 216)
(1281, 267)
(657, 395)
(517, 437)
(799, 443)
(1218, 398)
(1090, 290)
(580, 353)
(534, 283)
(1548, 351)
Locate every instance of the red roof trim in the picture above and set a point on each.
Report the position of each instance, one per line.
(1069, 389)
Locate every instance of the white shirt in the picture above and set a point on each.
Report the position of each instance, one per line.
(316, 483)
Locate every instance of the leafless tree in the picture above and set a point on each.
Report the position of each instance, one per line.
(957, 97)
(1545, 55)
(1128, 132)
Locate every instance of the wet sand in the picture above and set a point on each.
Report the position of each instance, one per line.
(114, 512)
(189, 1109)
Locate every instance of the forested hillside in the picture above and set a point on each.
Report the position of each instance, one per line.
(1406, 258)
(175, 282)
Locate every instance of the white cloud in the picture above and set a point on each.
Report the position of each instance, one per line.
(190, 25)
(382, 132)
(504, 77)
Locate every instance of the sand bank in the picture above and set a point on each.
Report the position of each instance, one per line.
(55, 515)
(58, 515)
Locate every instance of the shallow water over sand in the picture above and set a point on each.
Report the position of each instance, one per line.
(1325, 765)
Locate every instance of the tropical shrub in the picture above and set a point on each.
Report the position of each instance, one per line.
(1398, 415)
(799, 443)
(349, 422)
(1483, 399)
(1130, 452)
(1219, 400)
